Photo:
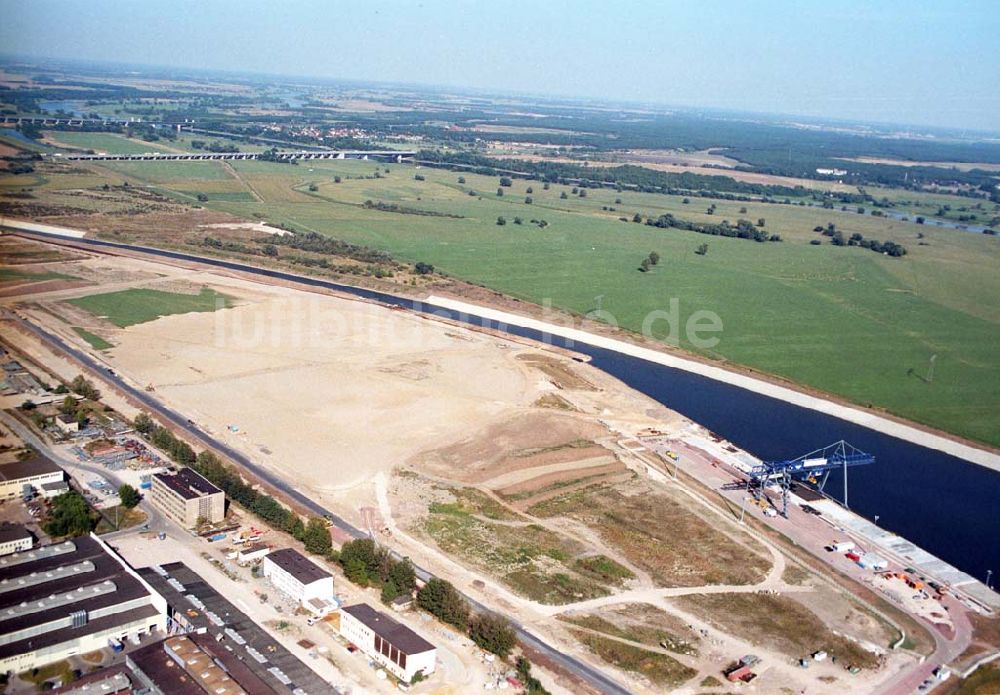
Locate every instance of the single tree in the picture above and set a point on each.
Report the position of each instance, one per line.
(128, 495)
(403, 576)
(702, 250)
(85, 388)
(317, 537)
(654, 257)
(501, 221)
(297, 528)
(439, 598)
(493, 633)
(389, 591)
(69, 515)
(355, 572)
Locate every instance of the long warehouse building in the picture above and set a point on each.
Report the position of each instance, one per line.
(72, 598)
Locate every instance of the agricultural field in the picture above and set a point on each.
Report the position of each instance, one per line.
(139, 305)
(109, 143)
(837, 308)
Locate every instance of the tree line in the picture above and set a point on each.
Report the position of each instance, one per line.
(743, 229)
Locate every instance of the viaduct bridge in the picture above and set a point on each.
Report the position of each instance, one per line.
(79, 121)
(381, 155)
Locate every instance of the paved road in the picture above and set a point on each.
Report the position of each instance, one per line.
(589, 674)
(155, 518)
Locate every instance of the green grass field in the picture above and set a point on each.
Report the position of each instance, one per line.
(844, 320)
(129, 307)
(15, 274)
(96, 341)
(107, 142)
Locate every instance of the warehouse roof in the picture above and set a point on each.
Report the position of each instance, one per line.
(29, 467)
(244, 641)
(13, 532)
(46, 584)
(398, 635)
(187, 484)
(297, 565)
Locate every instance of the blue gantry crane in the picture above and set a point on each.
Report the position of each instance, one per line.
(808, 466)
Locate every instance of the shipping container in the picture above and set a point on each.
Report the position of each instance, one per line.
(738, 673)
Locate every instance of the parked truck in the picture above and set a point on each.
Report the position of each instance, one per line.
(842, 546)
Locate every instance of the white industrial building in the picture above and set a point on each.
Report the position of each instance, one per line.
(71, 598)
(252, 553)
(301, 579)
(14, 538)
(20, 478)
(397, 648)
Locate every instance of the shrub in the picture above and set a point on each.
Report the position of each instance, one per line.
(493, 633)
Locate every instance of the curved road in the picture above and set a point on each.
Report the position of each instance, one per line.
(589, 674)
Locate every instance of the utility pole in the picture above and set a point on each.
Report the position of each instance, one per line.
(743, 508)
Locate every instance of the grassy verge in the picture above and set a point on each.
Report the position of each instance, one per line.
(472, 501)
(12, 274)
(661, 669)
(96, 341)
(125, 518)
(633, 632)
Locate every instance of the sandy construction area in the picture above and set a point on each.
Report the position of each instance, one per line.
(328, 391)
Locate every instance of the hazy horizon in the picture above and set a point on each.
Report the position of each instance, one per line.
(905, 64)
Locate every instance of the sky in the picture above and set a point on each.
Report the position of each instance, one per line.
(911, 62)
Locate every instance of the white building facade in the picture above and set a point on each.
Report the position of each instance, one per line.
(301, 579)
(30, 474)
(397, 648)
